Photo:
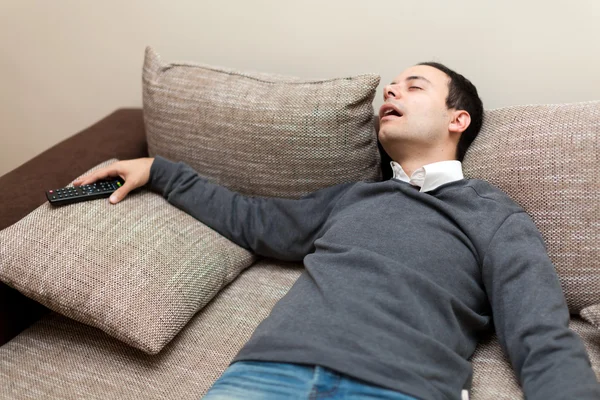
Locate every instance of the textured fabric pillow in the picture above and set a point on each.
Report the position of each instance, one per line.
(546, 158)
(260, 134)
(138, 270)
(592, 315)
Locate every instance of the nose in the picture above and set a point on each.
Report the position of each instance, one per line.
(389, 91)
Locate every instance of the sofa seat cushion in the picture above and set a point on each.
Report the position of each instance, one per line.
(61, 357)
(592, 315)
(493, 377)
(138, 270)
(58, 356)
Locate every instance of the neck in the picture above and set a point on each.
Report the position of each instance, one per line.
(413, 159)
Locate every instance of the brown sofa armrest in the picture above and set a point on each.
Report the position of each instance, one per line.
(119, 135)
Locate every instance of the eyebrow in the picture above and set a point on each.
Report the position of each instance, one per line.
(410, 78)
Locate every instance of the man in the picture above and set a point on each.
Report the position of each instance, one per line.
(401, 276)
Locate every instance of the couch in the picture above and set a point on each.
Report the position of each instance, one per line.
(45, 354)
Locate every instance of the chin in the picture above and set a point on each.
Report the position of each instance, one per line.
(381, 136)
(388, 135)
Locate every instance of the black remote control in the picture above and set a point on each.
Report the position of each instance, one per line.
(97, 190)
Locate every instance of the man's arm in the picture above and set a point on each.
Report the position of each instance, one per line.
(274, 227)
(531, 316)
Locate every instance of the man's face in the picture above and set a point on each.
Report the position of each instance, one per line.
(419, 95)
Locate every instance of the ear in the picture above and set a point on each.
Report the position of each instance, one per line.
(460, 121)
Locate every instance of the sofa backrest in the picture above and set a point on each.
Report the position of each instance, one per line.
(547, 159)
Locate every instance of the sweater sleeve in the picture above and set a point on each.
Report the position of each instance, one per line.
(531, 316)
(280, 228)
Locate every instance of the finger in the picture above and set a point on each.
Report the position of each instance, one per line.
(97, 175)
(121, 192)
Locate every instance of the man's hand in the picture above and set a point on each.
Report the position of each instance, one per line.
(135, 173)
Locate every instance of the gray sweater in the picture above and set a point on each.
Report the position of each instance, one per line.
(399, 285)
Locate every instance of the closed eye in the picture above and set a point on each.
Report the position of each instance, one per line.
(416, 87)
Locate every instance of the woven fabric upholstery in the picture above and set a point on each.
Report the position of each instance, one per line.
(493, 377)
(546, 158)
(592, 315)
(138, 270)
(59, 357)
(261, 134)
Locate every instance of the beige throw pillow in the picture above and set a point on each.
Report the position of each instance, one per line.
(546, 158)
(138, 270)
(261, 134)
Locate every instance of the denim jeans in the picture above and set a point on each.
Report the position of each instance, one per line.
(253, 380)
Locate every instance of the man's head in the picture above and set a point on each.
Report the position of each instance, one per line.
(429, 109)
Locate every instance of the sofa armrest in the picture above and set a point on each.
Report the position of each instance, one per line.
(119, 135)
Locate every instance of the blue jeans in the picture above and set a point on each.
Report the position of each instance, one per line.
(254, 380)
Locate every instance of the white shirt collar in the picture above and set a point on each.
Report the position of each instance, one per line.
(430, 176)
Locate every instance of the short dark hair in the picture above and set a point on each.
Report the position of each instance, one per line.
(462, 95)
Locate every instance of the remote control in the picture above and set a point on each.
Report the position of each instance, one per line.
(74, 194)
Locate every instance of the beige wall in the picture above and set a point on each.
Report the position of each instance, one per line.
(67, 63)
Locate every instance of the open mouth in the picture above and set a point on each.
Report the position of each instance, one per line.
(389, 111)
(392, 112)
